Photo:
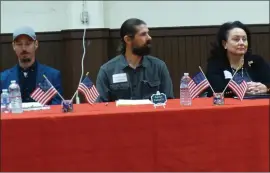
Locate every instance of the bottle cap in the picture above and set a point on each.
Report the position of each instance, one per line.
(186, 74)
(4, 90)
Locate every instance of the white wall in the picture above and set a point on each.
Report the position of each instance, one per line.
(95, 11)
(49, 15)
(59, 15)
(186, 13)
(42, 16)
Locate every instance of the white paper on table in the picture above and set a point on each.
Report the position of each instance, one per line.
(133, 102)
(31, 106)
(34, 106)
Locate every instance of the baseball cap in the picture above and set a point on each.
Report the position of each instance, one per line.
(25, 30)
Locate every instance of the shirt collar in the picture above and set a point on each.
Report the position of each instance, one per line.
(123, 62)
(31, 68)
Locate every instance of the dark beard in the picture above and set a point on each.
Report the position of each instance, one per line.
(141, 51)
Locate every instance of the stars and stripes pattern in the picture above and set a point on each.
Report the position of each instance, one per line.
(43, 93)
(238, 85)
(88, 89)
(197, 85)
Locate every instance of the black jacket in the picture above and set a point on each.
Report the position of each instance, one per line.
(257, 68)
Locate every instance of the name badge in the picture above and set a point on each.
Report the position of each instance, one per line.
(121, 77)
(227, 74)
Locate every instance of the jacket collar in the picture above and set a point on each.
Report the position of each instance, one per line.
(13, 73)
(32, 67)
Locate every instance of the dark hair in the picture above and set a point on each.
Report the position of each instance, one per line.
(128, 28)
(218, 50)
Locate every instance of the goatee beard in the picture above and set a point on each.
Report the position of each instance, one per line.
(25, 60)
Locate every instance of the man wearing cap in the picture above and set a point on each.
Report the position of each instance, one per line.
(28, 73)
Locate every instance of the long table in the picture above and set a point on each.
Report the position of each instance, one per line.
(101, 137)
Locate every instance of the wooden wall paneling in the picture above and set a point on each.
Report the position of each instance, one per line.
(254, 44)
(113, 47)
(262, 45)
(210, 39)
(8, 56)
(76, 57)
(113, 44)
(203, 51)
(50, 50)
(189, 55)
(158, 47)
(49, 53)
(175, 65)
(192, 54)
(265, 46)
(167, 55)
(68, 69)
(72, 48)
(196, 50)
(95, 59)
(171, 59)
(182, 60)
(66, 72)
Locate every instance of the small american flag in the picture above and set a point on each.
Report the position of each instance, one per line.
(197, 85)
(43, 93)
(88, 89)
(238, 85)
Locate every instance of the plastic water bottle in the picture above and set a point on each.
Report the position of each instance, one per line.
(15, 97)
(5, 101)
(185, 98)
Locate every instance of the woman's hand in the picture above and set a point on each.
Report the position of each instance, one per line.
(256, 88)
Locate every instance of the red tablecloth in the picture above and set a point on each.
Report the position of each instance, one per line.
(233, 137)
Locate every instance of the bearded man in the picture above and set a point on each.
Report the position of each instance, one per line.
(133, 74)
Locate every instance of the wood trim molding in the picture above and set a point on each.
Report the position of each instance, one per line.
(193, 30)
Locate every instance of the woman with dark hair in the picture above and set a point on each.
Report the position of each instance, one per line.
(231, 53)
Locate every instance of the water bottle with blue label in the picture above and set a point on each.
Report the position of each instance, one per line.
(185, 98)
(5, 101)
(15, 97)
